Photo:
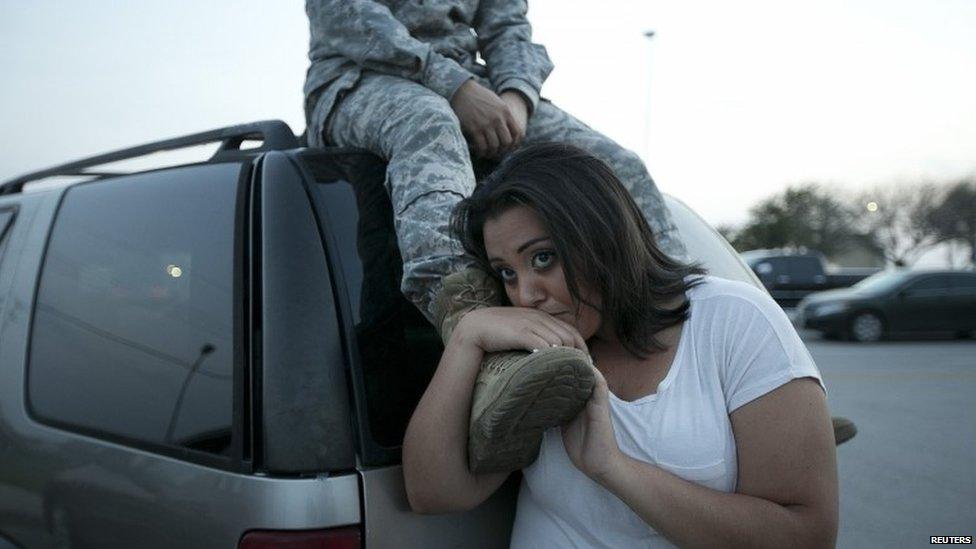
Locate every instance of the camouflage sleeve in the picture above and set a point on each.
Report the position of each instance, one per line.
(367, 33)
(505, 42)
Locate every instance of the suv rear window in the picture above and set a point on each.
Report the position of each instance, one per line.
(133, 330)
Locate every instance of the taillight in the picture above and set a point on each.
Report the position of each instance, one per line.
(347, 537)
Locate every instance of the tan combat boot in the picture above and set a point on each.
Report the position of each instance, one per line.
(517, 395)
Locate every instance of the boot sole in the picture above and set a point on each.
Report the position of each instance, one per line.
(549, 389)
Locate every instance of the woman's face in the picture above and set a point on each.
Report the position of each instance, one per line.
(523, 255)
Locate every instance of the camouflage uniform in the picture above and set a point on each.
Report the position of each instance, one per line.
(381, 78)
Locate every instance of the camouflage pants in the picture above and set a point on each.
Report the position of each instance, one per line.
(429, 169)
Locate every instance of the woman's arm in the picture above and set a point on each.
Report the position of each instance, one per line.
(787, 490)
(435, 465)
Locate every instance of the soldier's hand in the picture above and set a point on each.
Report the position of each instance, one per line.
(520, 113)
(486, 120)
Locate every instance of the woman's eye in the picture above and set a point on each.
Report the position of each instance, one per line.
(542, 260)
(506, 274)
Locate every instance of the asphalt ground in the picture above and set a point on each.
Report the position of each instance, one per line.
(910, 473)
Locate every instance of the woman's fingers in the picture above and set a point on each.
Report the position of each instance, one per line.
(506, 328)
(537, 343)
(578, 341)
(601, 391)
(561, 334)
(551, 337)
(556, 331)
(570, 335)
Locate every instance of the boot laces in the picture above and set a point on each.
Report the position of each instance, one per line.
(500, 363)
(471, 294)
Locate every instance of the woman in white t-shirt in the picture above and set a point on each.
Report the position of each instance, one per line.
(708, 425)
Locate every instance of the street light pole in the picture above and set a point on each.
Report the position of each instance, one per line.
(649, 34)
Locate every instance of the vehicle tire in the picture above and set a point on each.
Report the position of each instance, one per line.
(866, 327)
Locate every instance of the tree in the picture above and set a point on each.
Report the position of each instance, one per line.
(899, 219)
(802, 216)
(954, 218)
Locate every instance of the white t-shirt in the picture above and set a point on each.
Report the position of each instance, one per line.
(736, 345)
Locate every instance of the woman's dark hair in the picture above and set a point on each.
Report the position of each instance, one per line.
(598, 232)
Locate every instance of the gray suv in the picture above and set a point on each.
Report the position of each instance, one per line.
(218, 355)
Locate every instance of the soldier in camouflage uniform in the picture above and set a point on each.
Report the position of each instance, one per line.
(386, 76)
(400, 79)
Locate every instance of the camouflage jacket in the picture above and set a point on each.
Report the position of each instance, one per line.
(432, 42)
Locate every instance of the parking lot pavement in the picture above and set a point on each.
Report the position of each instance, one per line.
(910, 473)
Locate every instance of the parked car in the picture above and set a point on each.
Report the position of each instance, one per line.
(790, 275)
(904, 301)
(218, 354)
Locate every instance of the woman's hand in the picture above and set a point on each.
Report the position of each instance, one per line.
(495, 329)
(589, 439)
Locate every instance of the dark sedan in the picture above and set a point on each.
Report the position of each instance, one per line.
(899, 301)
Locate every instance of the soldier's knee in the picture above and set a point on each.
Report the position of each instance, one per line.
(623, 161)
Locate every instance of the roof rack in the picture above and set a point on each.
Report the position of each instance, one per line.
(274, 134)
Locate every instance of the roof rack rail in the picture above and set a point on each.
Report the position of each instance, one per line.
(274, 134)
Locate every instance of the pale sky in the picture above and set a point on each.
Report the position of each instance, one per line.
(744, 97)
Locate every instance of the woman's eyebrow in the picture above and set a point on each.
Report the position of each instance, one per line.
(531, 242)
(522, 247)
